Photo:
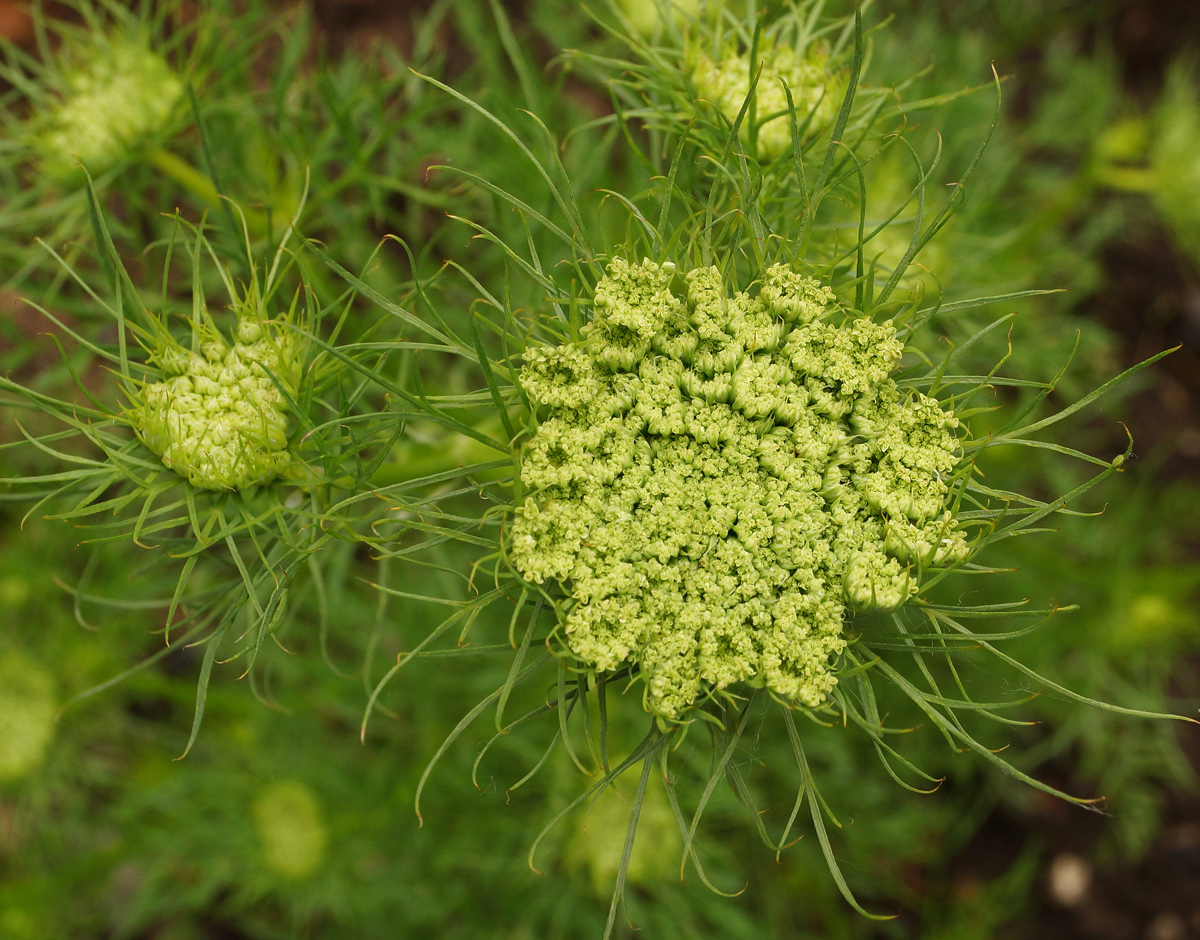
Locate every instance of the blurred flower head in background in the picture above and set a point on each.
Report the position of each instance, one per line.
(27, 708)
(113, 96)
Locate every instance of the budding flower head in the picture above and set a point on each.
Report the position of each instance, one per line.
(597, 843)
(27, 710)
(114, 96)
(645, 15)
(1175, 157)
(1158, 155)
(220, 415)
(816, 92)
(719, 478)
(291, 832)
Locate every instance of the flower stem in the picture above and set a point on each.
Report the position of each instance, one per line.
(199, 185)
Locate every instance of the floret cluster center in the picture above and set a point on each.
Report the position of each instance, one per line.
(716, 478)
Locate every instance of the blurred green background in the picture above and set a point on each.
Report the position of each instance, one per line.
(281, 824)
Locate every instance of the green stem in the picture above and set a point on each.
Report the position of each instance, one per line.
(412, 460)
(185, 174)
(1126, 178)
(199, 185)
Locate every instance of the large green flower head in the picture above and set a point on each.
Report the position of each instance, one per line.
(220, 415)
(116, 95)
(719, 476)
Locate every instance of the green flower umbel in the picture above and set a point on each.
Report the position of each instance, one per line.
(220, 416)
(815, 90)
(718, 478)
(111, 102)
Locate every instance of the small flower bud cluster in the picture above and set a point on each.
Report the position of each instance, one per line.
(645, 15)
(111, 103)
(219, 417)
(1175, 159)
(27, 711)
(716, 479)
(291, 830)
(814, 91)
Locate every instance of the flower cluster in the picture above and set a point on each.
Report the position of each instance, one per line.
(121, 95)
(815, 91)
(220, 417)
(717, 479)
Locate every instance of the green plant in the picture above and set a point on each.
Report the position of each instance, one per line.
(581, 419)
(685, 435)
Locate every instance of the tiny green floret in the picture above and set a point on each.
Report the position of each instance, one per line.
(120, 95)
(219, 417)
(716, 480)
